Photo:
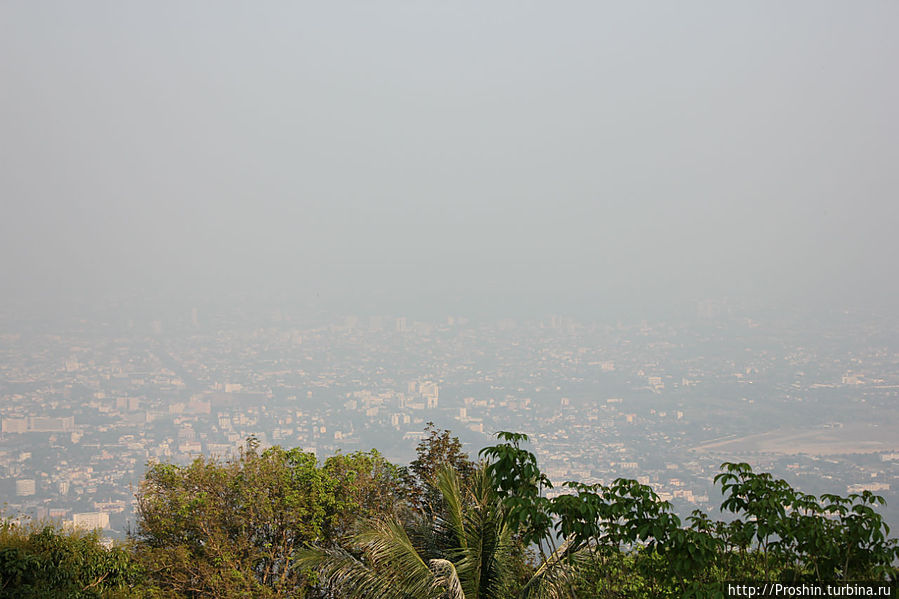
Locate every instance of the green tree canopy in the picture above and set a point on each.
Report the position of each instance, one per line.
(43, 561)
(436, 450)
(233, 529)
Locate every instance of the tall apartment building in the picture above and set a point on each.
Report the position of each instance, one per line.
(90, 520)
(25, 487)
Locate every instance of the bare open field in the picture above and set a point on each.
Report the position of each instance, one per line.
(820, 440)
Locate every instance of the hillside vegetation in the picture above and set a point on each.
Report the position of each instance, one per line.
(277, 523)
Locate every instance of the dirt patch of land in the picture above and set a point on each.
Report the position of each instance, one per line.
(837, 439)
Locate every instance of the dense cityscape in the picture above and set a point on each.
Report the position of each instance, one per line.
(84, 408)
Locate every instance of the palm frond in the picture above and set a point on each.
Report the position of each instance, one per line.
(341, 571)
(450, 488)
(446, 577)
(555, 576)
(390, 568)
(483, 562)
(467, 552)
(386, 543)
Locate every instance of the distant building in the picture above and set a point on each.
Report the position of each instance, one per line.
(25, 487)
(399, 419)
(90, 520)
(873, 487)
(853, 379)
(14, 425)
(429, 393)
(42, 424)
(709, 309)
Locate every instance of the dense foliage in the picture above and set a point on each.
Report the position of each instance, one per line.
(436, 450)
(278, 523)
(622, 540)
(234, 529)
(468, 550)
(42, 562)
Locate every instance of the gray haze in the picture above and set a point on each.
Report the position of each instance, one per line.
(451, 154)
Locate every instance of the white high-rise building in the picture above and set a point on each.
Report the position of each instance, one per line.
(429, 393)
(25, 487)
(90, 520)
(428, 388)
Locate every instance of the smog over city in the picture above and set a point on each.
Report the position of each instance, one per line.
(653, 237)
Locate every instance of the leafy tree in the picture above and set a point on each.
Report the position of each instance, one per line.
(801, 537)
(435, 451)
(366, 485)
(622, 540)
(232, 530)
(46, 562)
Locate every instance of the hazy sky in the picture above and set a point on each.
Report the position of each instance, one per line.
(451, 153)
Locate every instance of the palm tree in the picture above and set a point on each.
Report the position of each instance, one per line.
(468, 552)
